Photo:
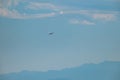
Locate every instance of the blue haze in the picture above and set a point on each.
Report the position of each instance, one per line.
(25, 44)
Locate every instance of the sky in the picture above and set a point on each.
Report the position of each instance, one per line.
(85, 31)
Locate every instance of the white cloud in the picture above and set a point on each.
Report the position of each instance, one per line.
(84, 22)
(84, 12)
(40, 15)
(87, 22)
(16, 15)
(107, 17)
(13, 13)
(38, 6)
(8, 3)
(95, 14)
(54, 10)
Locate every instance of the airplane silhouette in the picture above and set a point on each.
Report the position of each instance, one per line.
(51, 33)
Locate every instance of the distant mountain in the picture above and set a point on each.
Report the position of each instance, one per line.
(103, 71)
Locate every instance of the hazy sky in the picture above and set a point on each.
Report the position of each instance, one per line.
(85, 31)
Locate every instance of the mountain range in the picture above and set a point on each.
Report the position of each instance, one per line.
(103, 71)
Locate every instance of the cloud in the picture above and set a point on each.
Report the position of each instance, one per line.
(8, 3)
(38, 6)
(8, 8)
(16, 15)
(87, 22)
(88, 11)
(84, 22)
(107, 17)
(7, 11)
(80, 12)
(95, 14)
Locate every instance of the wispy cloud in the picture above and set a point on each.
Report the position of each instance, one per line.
(8, 3)
(13, 13)
(16, 15)
(6, 11)
(107, 17)
(87, 22)
(84, 22)
(38, 6)
(95, 14)
(84, 12)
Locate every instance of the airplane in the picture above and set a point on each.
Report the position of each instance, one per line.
(51, 33)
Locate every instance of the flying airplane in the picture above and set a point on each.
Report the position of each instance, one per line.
(51, 33)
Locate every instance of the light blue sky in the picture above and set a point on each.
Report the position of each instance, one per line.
(85, 31)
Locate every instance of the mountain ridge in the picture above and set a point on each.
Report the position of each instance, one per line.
(108, 70)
